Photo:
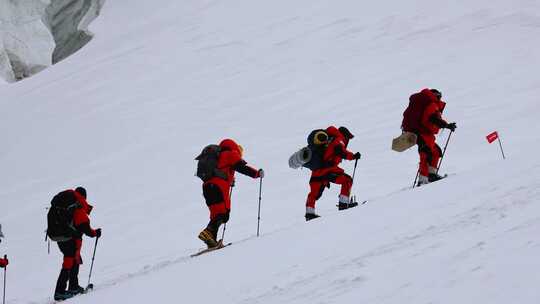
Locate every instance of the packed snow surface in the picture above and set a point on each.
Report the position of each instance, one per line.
(126, 115)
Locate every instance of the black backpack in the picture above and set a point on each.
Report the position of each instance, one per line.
(207, 163)
(317, 142)
(60, 216)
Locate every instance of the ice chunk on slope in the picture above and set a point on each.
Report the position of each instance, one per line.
(37, 33)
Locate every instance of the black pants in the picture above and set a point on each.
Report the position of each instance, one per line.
(213, 196)
(71, 274)
(68, 248)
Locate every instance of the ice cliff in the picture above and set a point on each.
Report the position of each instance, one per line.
(35, 34)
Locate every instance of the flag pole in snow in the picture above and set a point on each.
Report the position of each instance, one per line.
(502, 151)
(259, 212)
(5, 271)
(495, 136)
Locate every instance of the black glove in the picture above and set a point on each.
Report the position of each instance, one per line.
(226, 216)
(357, 155)
(261, 173)
(98, 233)
(452, 126)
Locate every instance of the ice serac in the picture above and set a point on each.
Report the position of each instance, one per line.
(25, 43)
(35, 34)
(68, 21)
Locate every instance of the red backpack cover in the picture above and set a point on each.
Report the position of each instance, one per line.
(418, 103)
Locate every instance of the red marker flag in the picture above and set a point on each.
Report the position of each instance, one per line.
(492, 137)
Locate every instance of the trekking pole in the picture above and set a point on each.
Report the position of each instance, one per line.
(416, 178)
(5, 271)
(354, 170)
(259, 212)
(225, 225)
(223, 234)
(48, 242)
(90, 286)
(444, 151)
(353, 197)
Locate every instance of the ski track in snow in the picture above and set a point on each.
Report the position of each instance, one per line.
(126, 115)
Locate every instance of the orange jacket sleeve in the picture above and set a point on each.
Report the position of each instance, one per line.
(337, 151)
(342, 151)
(432, 119)
(81, 220)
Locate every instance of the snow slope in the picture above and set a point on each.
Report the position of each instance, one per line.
(125, 116)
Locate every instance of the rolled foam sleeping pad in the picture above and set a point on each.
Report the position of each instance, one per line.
(299, 158)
